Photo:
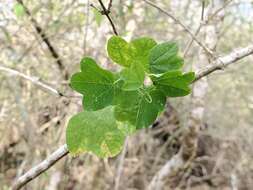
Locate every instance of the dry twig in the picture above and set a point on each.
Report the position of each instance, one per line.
(222, 62)
(177, 21)
(34, 80)
(106, 11)
(41, 167)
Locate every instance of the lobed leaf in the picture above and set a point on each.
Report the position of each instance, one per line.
(164, 57)
(141, 48)
(96, 132)
(174, 83)
(96, 84)
(134, 56)
(140, 108)
(124, 53)
(102, 128)
(119, 51)
(133, 77)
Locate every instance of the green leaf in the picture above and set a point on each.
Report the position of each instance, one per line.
(125, 54)
(141, 49)
(96, 84)
(140, 108)
(163, 58)
(174, 83)
(119, 51)
(126, 127)
(133, 77)
(101, 129)
(19, 10)
(134, 56)
(98, 17)
(96, 132)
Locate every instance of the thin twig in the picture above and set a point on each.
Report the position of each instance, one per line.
(41, 167)
(222, 62)
(107, 12)
(189, 44)
(34, 80)
(202, 11)
(220, 9)
(197, 31)
(46, 40)
(177, 21)
(109, 5)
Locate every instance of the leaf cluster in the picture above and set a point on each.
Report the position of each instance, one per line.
(118, 103)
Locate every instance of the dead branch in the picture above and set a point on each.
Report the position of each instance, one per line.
(177, 21)
(41, 167)
(34, 80)
(222, 62)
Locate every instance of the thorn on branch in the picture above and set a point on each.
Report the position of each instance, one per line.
(94, 7)
(102, 12)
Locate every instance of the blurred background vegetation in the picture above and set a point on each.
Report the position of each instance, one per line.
(33, 122)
